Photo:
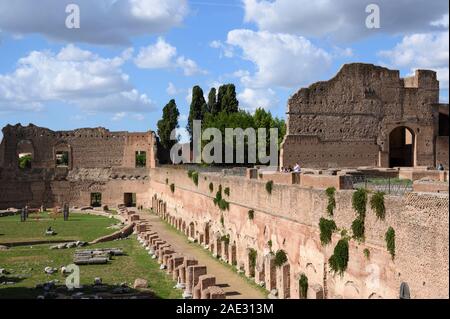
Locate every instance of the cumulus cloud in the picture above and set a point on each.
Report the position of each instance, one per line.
(163, 55)
(342, 20)
(251, 99)
(280, 59)
(422, 51)
(102, 21)
(74, 76)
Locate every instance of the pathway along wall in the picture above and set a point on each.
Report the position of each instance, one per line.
(289, 218)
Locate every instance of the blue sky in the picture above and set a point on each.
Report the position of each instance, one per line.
(130, 57)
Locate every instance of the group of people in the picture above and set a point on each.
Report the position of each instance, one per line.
(289, 169)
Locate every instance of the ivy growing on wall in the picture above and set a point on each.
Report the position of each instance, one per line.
(359, 202)
(227, 191)
(251, 214)
(331, 200)
(222, 220)
(390, 241)
(172, 188)
(269, 243)
(358, 229)
(327, 227)
(269, 187)
(366, 253)
(280, 258)
(339, 260)
(194, 176)
(303, 284)
(220, 201)
(377, 204)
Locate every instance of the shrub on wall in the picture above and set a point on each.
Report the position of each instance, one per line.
(172, 188)
(327, 227)
(280, 258)
(377, 204)
(195, 178)
(269, 187)
(211, 187)
(339, 260)
(269, 243)
(303, 284)
(251, 214)
(366, 253)
(358, 229)
(222, 220)
(390, 241)
(359, 202)
(190, 173)
(331, 200)
(227, 191)
(220, 201)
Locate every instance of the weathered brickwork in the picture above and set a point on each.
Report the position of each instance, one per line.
(348, 120)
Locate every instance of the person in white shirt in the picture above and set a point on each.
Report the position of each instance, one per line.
(297, 168)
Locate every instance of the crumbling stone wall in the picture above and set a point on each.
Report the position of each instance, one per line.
(346, 121)
(99, 161)
(289, 218)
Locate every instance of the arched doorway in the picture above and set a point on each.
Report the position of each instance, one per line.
(401, 147)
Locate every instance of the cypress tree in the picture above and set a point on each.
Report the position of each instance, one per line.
(198, 106)
(212, 101)
(168, 123)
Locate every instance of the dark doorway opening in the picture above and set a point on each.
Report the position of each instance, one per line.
(96, 199)
(62, 159)
(401, 147)
(443, 124)
(129, 199)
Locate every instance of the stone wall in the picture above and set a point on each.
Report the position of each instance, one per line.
(347, 121)
(289, 218)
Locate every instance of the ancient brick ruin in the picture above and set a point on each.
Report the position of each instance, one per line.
(349, 121)
(368, 116)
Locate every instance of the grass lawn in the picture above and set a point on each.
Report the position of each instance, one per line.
(26, 263)
(78, 227)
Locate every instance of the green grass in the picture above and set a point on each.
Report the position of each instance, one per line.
(14, 231)
(26, 263)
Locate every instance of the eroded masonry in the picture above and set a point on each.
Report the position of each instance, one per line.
(365, 121)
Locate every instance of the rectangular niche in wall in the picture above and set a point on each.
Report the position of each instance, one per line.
(129, 199)
(96, 199)
(141, 159)
(62, 159)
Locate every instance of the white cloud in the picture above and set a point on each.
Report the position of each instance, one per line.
(280, 59)
(73, 76)
(156, 56)
(102, 21)
(422, 51)
(225, 50)
(251, 99)
(442, 22)
(342, 20)
(163, 55)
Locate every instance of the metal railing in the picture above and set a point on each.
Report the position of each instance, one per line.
(387, 185)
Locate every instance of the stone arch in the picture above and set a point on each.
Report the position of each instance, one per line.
(191, 230)
(351, 290)
(402, 147)
(374, 295)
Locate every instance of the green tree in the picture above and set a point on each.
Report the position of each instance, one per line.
(198, 106)
(168, 123)
(227, 98)
(212, 102)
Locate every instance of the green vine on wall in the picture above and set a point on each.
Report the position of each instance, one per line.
(339, 260)
(390, 241)
(358, 229)
(327, 227)
(367, 253)
(222, 220)
(331, 200)
(227, 191)
(194, 176)
(220, 201)
(377, 204)
(359, 202)
(269, 187)
(303, 284)
(280, 258)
